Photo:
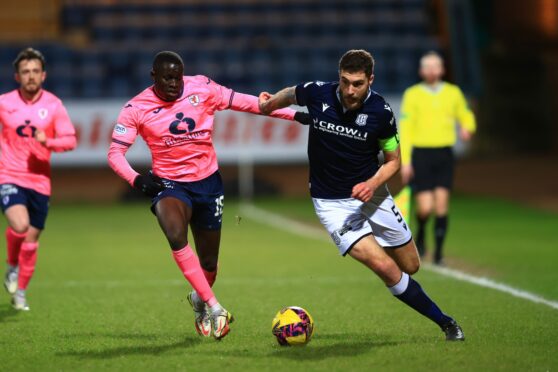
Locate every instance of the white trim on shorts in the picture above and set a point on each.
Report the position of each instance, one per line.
(350, 220)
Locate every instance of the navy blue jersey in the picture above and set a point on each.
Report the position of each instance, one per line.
(343, 146)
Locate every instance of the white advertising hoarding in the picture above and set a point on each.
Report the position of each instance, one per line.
(236, 136)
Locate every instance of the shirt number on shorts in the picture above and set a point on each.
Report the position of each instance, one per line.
(396, 213)
(398, 216)
(219, 203)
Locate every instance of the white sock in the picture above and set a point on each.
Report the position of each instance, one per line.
(401, 286)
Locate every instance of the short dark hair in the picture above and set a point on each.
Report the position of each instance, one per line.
(27, 54)
(432, 53)
(166, 56)
(357, 60)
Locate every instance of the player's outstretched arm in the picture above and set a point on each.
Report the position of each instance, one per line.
(248, 103)
(284, 98)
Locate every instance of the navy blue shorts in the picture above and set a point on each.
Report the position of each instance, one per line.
(205, 197)
(434, 167)
(36, 203)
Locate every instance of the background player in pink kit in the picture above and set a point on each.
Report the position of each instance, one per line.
(175, 118)
(34, 123)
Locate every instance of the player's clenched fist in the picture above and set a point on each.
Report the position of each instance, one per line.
(363, 192)
(263, 103)
(40, 136)
(148, 184)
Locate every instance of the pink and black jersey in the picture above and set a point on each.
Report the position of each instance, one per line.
(178, 133)
(24, 161)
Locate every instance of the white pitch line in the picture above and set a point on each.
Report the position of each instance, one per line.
(295, 227)
(144, 283)
(489, 283)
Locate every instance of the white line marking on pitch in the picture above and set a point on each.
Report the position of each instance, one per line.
(295, 227)
(144, 283)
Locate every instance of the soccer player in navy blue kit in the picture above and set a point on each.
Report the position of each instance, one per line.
(351, 125)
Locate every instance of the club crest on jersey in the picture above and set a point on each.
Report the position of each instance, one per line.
(43, 113)
(194, 99)
(361, 120)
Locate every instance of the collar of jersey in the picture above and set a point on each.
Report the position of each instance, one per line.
(341, 103)
(433, 91)
(30, 102)
(182, 96)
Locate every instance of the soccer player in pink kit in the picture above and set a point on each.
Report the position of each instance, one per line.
(175, 118)
(34, 123)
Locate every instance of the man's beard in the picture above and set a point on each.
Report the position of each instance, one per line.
(32, 88)
(354, 103)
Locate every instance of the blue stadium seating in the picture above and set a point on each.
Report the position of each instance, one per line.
(250, 46)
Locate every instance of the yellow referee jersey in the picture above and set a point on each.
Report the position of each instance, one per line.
(428, 117)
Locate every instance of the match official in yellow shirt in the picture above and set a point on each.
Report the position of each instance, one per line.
(430, 111)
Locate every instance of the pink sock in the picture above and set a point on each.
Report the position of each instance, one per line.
(189, 264)
(210, 276)
(13, 243)
(27, 260)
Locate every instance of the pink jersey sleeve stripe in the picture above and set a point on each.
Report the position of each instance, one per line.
(121, 143)
(230, 101)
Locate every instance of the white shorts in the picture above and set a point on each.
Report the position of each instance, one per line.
(350, 220)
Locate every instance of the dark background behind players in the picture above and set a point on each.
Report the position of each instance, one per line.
(100, 51)
(496, 50)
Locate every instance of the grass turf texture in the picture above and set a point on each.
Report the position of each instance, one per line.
(107, 295)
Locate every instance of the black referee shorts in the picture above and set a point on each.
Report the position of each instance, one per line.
(433, 168)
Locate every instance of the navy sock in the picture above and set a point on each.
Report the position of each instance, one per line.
(440, 229)
(411, 293)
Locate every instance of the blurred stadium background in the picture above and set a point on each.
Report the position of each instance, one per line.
(107, 296)
(504, 54)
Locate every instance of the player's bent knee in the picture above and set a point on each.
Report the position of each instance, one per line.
(177, 239)
(20, 227)
(412, 268)
(209, 263)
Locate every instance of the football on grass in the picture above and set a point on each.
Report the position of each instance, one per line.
(293, 326)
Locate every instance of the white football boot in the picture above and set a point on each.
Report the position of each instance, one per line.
(19, 302)
(220, 322)
(10, 280)
(202, 320)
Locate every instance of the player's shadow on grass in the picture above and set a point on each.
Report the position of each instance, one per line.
(149, 348)
(7, 312)
(334, 346)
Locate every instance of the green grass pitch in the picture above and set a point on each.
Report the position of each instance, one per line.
(108, 296)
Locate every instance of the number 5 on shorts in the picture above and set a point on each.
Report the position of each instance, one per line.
(396, 213)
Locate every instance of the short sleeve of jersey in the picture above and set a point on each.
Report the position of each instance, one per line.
(221, 96)
(126, 128)
(305, 92)
(388, 126)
